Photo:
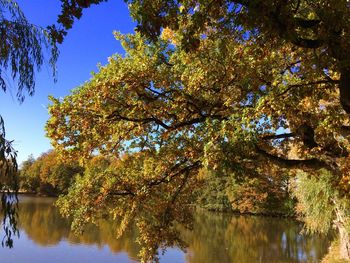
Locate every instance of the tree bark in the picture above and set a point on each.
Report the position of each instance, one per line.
(344, 243)
(344, 236)
(344, 88)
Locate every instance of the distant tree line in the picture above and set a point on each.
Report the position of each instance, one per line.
(47, 175)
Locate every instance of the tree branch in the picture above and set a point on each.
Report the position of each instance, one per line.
(322, 81)
(169, 177)
(307, 43)
(312, 163)
(306, 23)
(278, 136)
(117, 116)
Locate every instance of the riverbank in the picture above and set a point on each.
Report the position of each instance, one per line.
(333, 255)
(38, 194)
(262, 214)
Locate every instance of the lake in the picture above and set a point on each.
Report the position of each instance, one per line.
(216, 238)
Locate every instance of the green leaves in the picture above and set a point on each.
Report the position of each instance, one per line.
(317, 200)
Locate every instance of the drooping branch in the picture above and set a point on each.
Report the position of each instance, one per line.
(305, 132)
(172, 173)
(312, 163)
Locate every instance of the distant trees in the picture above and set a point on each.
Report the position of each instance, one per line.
(255, 194)
(47, 175)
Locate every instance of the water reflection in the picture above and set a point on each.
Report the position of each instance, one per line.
(42, 223)
(225, 238)
(215, 238)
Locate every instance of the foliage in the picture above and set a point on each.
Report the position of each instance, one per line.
(255, 194)
(315, 25)
(213, 194)
(319, 202)
(21, 55)
(27, 181)
(252, 86)
(262, 194)
(140, 189)
(48, 175)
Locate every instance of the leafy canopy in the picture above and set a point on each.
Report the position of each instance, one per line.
(248, 87)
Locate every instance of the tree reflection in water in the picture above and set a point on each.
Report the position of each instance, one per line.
(227, 238)
(215, 237)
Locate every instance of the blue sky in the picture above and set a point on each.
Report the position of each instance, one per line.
(88, 43)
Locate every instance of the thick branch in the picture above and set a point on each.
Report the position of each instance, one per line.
(157, 121)
(307, 43)
(122, 193)
(344, 88)
(117, 116)
(312, 163)
(317, 82)
(278, 136)
(345, 131)
(306, 23)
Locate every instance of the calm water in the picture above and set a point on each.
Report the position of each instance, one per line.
(216, 238)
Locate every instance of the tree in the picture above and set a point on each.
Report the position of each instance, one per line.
(321, 206)
(48, 175)
(28, 182)
(316, 25)
(182, 111)
(253, 83)
(20, 55)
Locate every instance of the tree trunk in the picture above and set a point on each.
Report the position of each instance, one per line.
(344, 243)
(344, 236)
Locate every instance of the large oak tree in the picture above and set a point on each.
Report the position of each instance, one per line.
(263, 85)
(260, 107)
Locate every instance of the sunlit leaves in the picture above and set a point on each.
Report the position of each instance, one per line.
(208, 94)
(48, 175)
(142, 188)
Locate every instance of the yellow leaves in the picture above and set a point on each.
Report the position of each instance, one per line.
(307, 104)
(344, 184)
(169, 35)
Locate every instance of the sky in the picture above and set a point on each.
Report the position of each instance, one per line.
(88, 43)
